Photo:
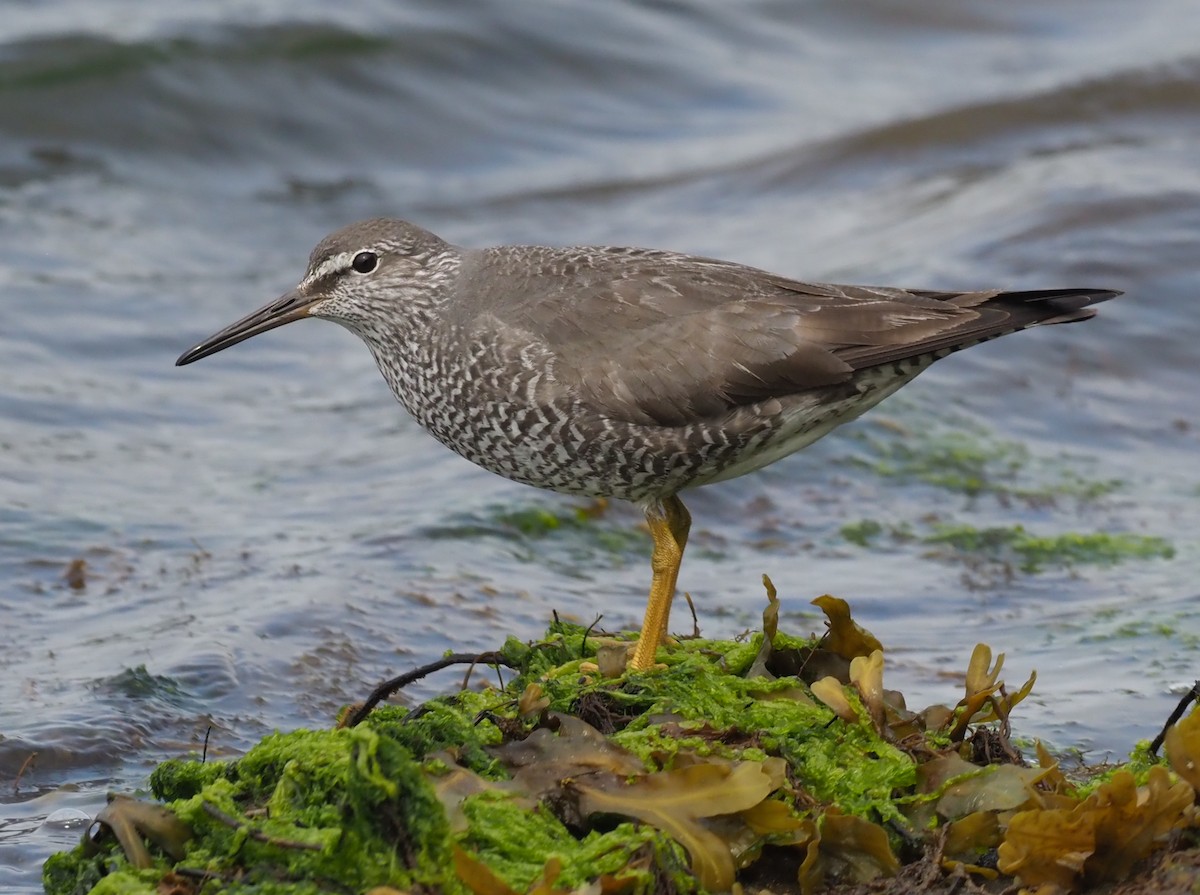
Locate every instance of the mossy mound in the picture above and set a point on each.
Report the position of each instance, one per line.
(775, 762)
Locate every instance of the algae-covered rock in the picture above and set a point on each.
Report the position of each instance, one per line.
(718, 767)
(348, 806)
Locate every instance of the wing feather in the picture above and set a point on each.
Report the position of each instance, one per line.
(663, 339)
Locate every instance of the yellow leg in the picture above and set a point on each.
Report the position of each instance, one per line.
(669, 523)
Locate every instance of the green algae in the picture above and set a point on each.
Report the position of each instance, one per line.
(1014, 545)
(352, 805)
(1035, 552)
(972, 461)
(538, 522)
(1177, 630)
(308, 811)
(72, 873)
(869, 532)
(516, 843)
(1140, 763)
(138, 683)
(461, 721)
(955, 461)
(851, 767)
(404, 798)
(184, 779)
(352, 809)
(863, 532)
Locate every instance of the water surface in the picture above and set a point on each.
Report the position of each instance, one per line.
(266, 534)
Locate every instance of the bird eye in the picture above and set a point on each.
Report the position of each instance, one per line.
(365, 262)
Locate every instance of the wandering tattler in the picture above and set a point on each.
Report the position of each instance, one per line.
(632, 373)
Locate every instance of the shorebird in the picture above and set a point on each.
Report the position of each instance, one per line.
(625, 372)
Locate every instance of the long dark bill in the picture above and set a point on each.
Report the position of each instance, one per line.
(288, 307)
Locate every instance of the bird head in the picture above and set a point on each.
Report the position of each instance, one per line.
(363, 276)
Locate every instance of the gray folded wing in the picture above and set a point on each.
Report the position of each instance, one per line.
(663, 339)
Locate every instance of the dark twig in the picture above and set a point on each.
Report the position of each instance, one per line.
(467, 676)
(695, 621)
(1192, 695)
(230, 821)
(586, 631)
(204, 754)
(356, 715)
(25, 766)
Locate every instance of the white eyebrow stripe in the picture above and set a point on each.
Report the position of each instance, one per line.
(333, 263)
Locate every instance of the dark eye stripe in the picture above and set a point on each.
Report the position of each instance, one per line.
(324, 282)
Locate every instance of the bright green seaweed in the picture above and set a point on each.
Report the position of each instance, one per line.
(350, 809)
(441, 800)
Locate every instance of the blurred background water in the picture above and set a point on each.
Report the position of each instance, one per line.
(265, 535)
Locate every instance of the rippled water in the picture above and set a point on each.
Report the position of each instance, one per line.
(267, 534)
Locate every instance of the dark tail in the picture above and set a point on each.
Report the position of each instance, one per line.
(1036, 307)
(999, 313)
(1057, 305)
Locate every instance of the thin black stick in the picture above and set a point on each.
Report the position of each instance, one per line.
(356, 715)
(586, 631)
(1192, 695)
(28, 763)
(695, 621)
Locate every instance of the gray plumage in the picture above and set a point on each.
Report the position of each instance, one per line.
(627, 372)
